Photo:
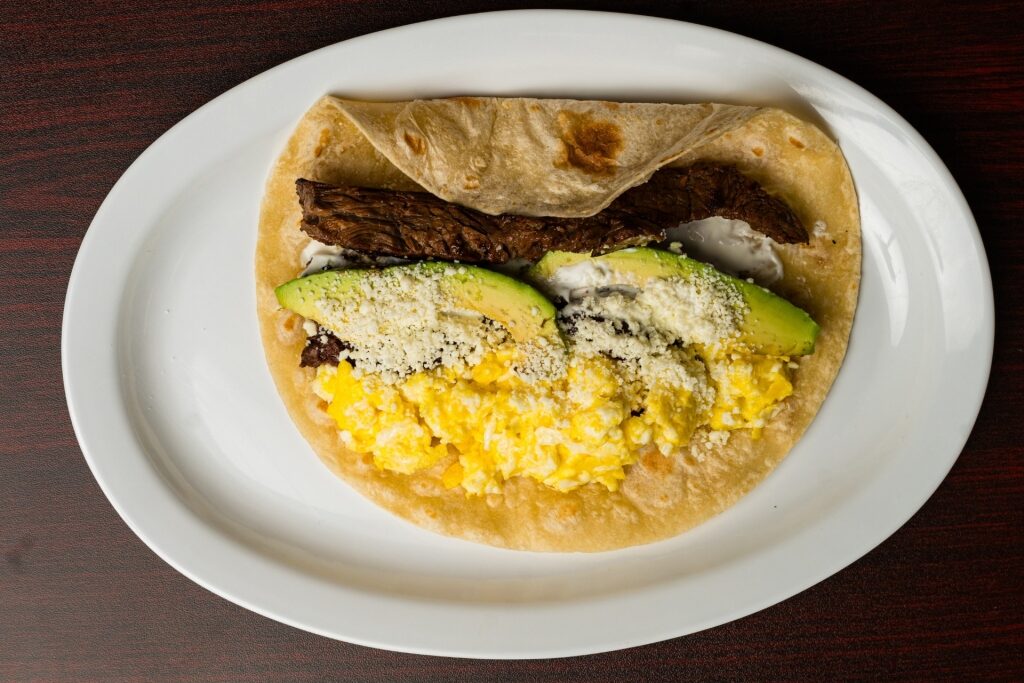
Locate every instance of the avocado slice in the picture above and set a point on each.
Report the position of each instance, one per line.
(520, 308)
(771, 324)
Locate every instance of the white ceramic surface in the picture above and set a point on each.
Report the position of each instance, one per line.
(179, 421)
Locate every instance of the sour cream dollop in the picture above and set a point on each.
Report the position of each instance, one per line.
(317, 256)
(731, 246)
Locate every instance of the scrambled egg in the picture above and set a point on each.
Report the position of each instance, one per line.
(748, 390)
(486, 424)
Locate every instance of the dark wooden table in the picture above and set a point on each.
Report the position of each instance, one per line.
(86, 86)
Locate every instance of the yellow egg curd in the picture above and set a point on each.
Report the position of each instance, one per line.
(489, 424)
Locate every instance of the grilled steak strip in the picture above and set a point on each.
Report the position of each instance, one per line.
(674, 196)
(419, 225)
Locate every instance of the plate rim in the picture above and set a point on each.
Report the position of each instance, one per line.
(577, 17)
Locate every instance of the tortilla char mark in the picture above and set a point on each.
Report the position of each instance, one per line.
(468, 102)
(415, 143)
(588, 144)
(419, 225)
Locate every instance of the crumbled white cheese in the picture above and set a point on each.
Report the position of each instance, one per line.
(400, 324)
(649, 329)
(696, 310)
(403, 327)
(539, 359)
(614, 325)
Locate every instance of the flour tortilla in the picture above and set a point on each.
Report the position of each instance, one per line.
(566, 158)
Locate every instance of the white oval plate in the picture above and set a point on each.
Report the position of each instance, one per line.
(181, 425)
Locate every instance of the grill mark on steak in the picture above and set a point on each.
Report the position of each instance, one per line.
(419, 225)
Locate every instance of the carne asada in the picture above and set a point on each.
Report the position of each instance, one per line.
(419, 225)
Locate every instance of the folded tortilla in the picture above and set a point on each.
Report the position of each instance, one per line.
(566, 158)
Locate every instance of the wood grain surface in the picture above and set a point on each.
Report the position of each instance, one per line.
(86, 86)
